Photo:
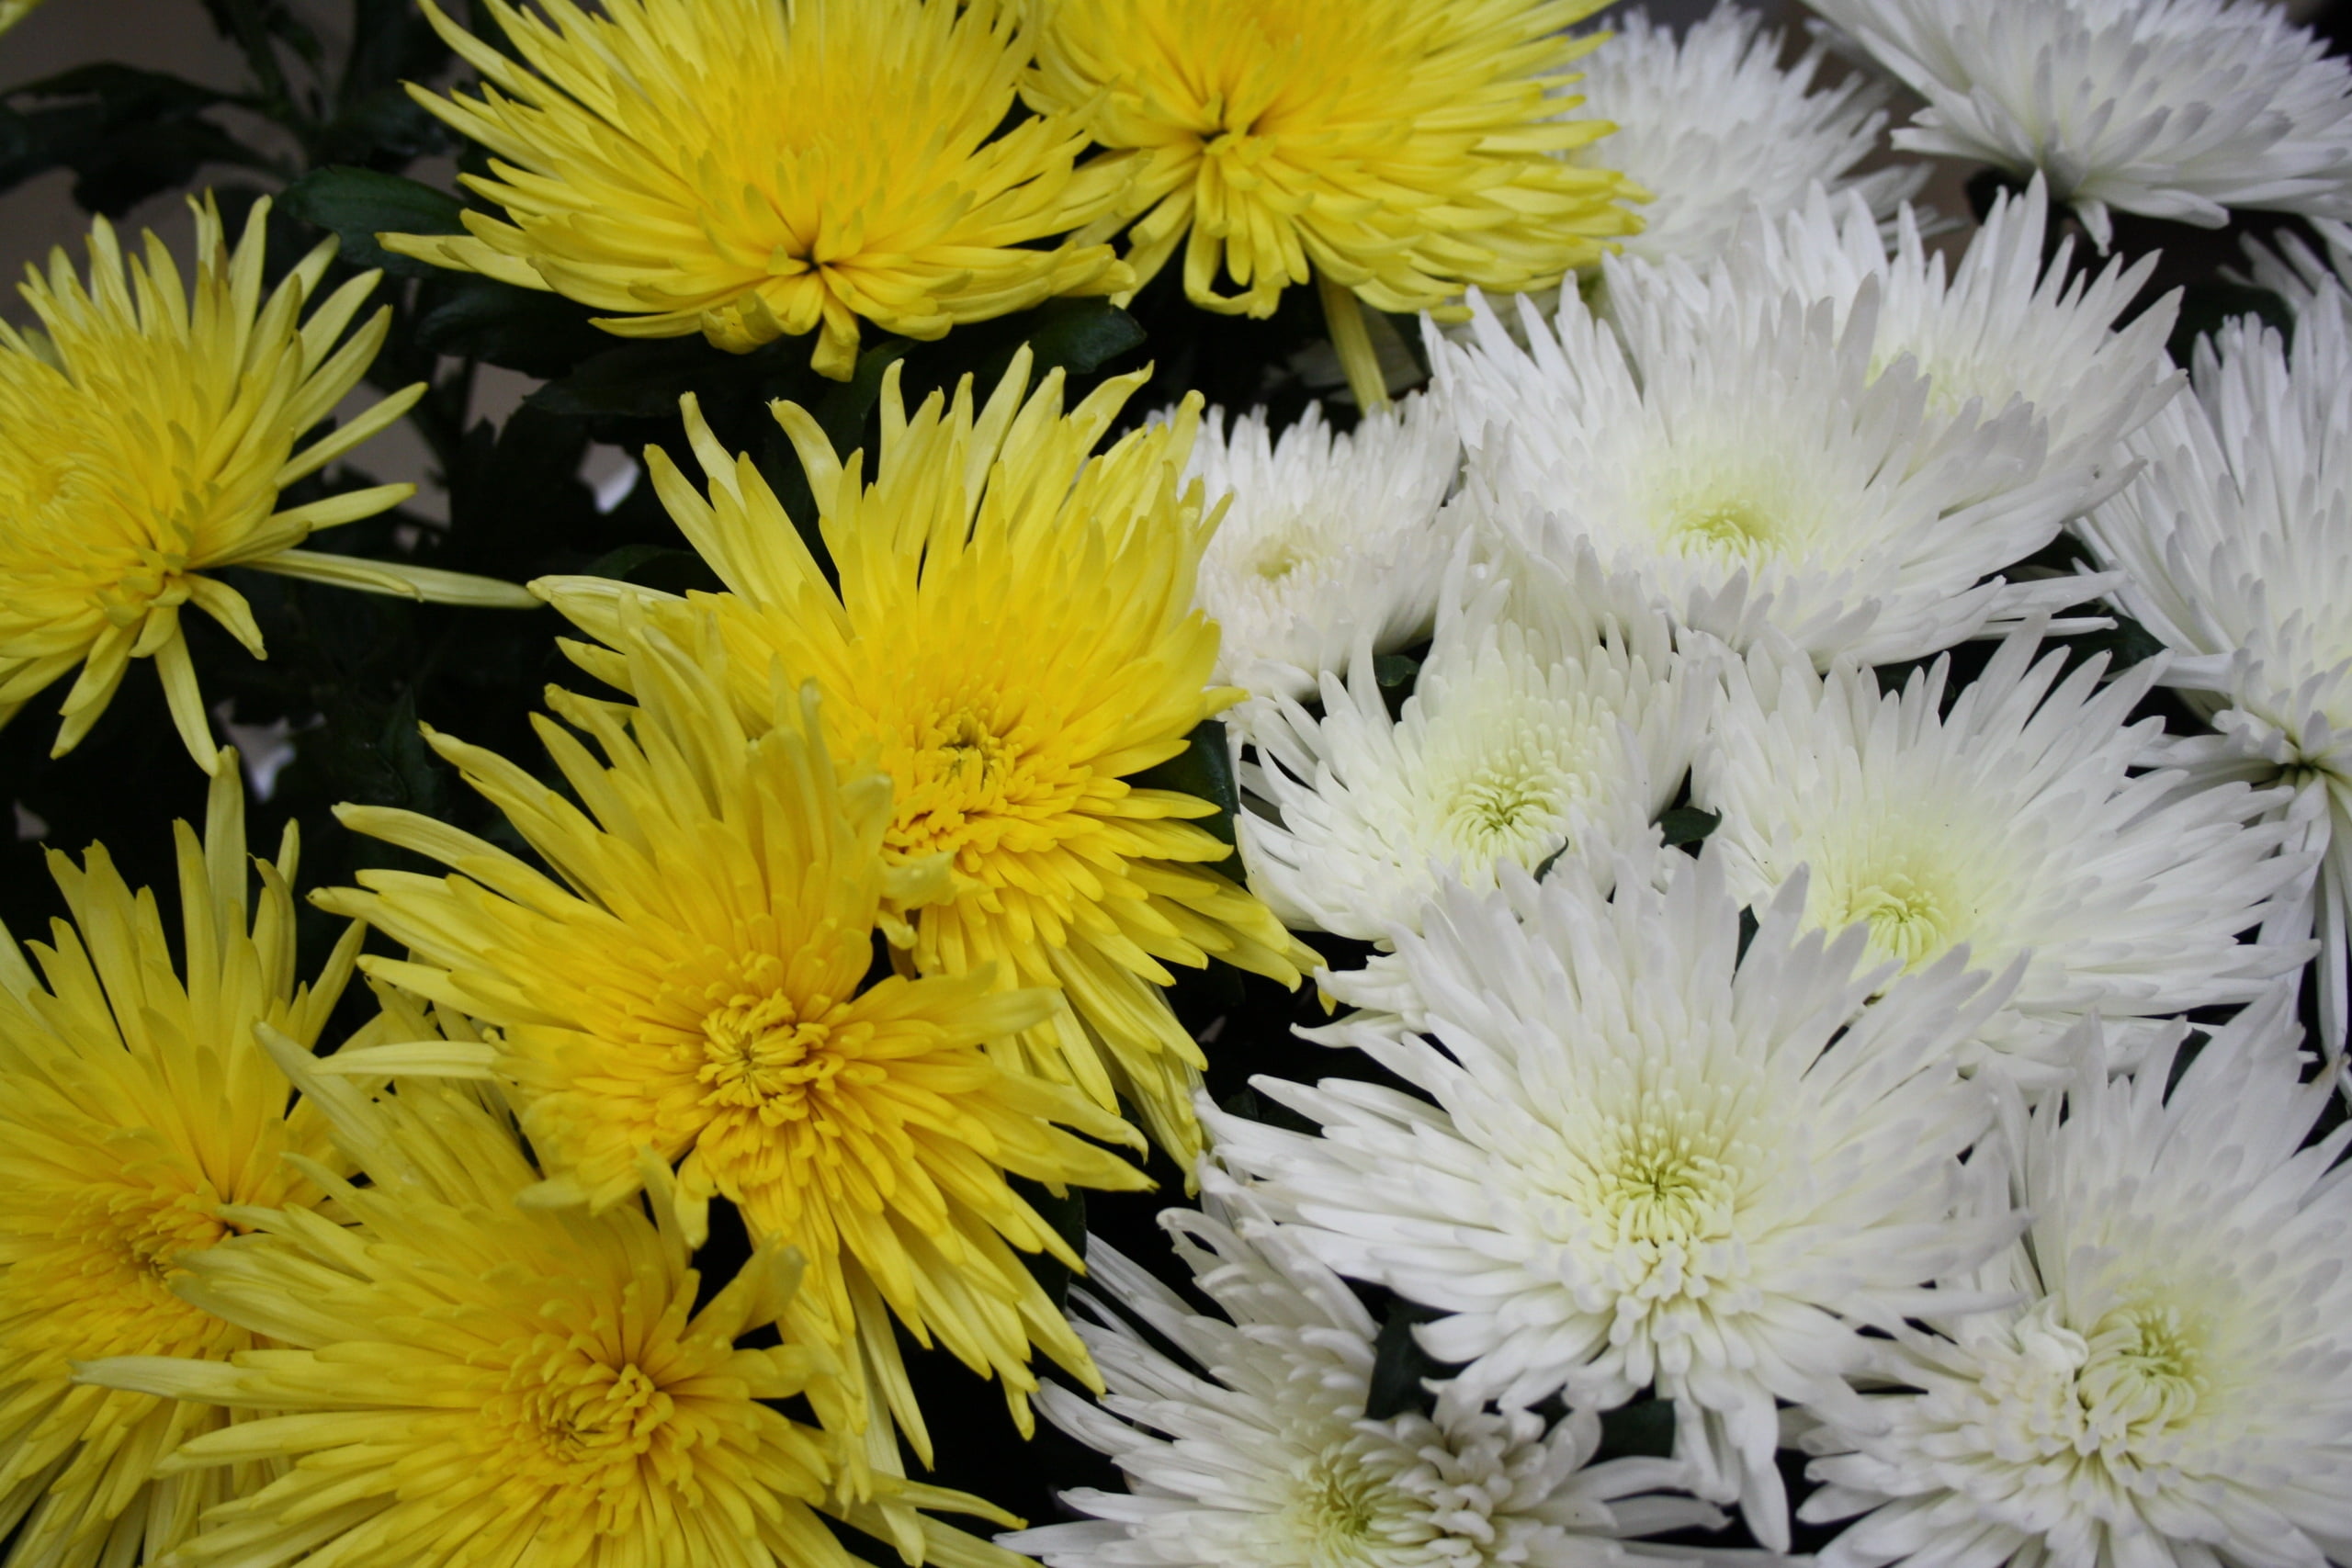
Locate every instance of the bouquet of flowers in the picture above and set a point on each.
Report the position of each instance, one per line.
(1417, 758)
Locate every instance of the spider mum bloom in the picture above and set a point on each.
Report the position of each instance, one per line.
(1013, 639)
(1327, 535)
(1268, 1457)
(2015, 319)
(146, 430)
(1751, 463)
(1561, 730)
(1393, 150)
(696, 986)
(2173, 109)
(2164, 1375)
(718, 167)
(1639, 1158)
(1711, 126)
(2009, 817)
(2235, 545)
(460, 1377)
(140, 1114)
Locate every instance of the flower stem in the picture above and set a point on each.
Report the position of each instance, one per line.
(1344, 314)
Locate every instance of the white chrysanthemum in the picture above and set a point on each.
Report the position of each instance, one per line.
(1254, 1451)
(1711, 126)
(1639, 1158)
(2168, 1383)
(2173, 108)
(2237, 545)
(1753, 466)
(1565, 731)
(2007, 817)
(1328, 536)
(2014, 318)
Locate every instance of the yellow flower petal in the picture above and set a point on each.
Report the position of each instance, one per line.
(742, 168)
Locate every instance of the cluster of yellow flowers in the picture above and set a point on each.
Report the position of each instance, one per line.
(854, 914)
(926, 758)
(743, 167)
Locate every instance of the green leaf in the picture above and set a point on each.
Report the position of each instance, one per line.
(1687, 825)
(126, 134)
(644, 381)
(522, 329)
(1645, 1429)
(1080, 335)
(1203, 769)
(1077, 336)
(2126, 643)
(358, 204)
(842, 411)
(1399, 1365)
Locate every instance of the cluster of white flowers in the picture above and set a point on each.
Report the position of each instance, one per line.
(1821, 763)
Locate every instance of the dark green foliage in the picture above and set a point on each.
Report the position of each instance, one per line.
(356, 205)
(1684, 826)
(1203, 769)
(1401, 1369)
(126, 133)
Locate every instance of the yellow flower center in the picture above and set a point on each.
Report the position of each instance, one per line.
(584, 1428)
(972, 783)
(96, 1279)
(759, 1053)
(592, 1413)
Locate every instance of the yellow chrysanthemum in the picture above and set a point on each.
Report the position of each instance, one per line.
(135, 1110)
(14, 11)
(1396, 150)
(1012, 638)
(145, 433)
(751, 169)
(469, 1382)
(699, 988)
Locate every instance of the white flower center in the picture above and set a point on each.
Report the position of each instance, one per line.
(1912, 918)
(1733, 516)
(1729, 522)
(1917, 904)
(1280, 551)
(2116, 1393)
(2145, 1374)
(1507, 796)
(1656, 1183)
(1665, 1186)
(1345, 1511)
